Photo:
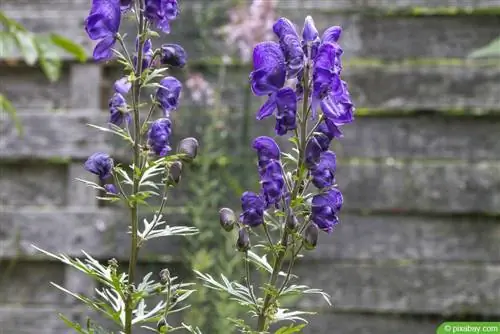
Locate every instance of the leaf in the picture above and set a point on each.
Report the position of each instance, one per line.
(290, 329)
(7, 107)
(69, 46)
(27, 45)
(8, 44)
(51, 68)
(491, 50)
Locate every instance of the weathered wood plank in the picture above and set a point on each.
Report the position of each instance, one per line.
(31, 319)
(22, 282)
(33, 185)
(64, 135)
(405, 287)
(426, 186)
(432, 137)
(358, 237)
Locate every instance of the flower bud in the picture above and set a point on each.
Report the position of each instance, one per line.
(110, 188)
(243, 243)
(188, 147)
(165, 276)
(175, 172)
(227, 219)
(310, 33)
(292, 222)
(162, 326)
(310, 236)
(173, 55)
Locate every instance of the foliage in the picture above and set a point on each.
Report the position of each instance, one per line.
(492, 50)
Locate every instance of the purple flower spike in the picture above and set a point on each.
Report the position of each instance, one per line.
(331, 35)
(122, 86)
(267, 149)
(103, 24)
(269, 72)
(173, 55)
(325, 207)
(161, 12)
(253, 209)
(168, 95)
(309, 33)
(158, 136)
(291, 46)
(323, 175)
(99, 164)
(118, 110)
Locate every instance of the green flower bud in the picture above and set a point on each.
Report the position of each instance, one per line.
(162, 326)
(227, 219)
(291, 222)
(175, 172)
(188, 147)
(310, 237)
(165, 276)
(243, 242)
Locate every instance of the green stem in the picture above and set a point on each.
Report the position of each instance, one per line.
(264, 316)
(134, 249)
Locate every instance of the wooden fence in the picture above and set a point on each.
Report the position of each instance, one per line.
(419, 240)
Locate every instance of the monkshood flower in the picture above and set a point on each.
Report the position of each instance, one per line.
(269, 71)
(158, 136)
(323, 174)
(325, 207)
(331, 35)
(253, 207)
(111, 188)
(147, 54)
(118, 110)
(267, 150)
(291, 46)
(272, 182)
(320, 141)
(103, 24)
(122, 86)
(173, 55)
(309, 33)
(168, 94)
(161, 12)
(99, 164)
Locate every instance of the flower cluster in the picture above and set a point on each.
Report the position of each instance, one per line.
(315, 63)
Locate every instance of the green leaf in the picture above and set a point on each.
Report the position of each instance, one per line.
(69, 46)
(27, 45)
(9, 23)
(491, 50)
(51, 68)
(8, 44)
(290, 329)
(7, 107)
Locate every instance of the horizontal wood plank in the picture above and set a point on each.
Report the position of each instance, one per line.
(375, 238)
(405, 287)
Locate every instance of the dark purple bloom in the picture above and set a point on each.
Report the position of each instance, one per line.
(103, 24)
(253, 206)
(243, 241)
(325, 207)
(110, 188)
(326, 131)
(147, 54)
(272, 182)
(162, 12)
(122, 86)
(291, 46)
(309, 33)
(313, 152)
(267, 149)
(337, 106)
(311, 234)
(269, 71)
(125, 5)
(286, 102)
(323, 174)
(100, 164)
(168, 95)
(331, 35)
(158, 136)
(118, 110)
(173, 55)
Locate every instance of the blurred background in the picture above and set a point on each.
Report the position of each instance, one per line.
(419, 239)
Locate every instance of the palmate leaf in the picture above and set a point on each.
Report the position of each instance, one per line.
(304, 289)
(157, 228)
(282, 314)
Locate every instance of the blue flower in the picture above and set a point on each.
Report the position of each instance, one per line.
(325, 207)
(272, 182)
(158, 136)
(125, 5)
(147, 54)
(173, 55)
(122, 86)
(269, 71)
(99, 164)
(331, 35)
(110, 188)
(118, 110)
(168, 94)
(291, 46)
(253, 207)
(267, 150)
(162, 12)
(103, 24)
(309, 33)
(326, 132)
(285, 102)
(323, 174)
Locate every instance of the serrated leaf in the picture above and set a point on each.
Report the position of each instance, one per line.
(69, 46)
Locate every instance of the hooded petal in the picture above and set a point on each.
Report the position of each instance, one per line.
(103, 49)
(100, 164)
(286, 102)
(323, 175)
(168, 95)
(104, 19)
(331, 34)
(283, 27)
(267, 149)
(122, 86)
(309, 33)
(158, 136)
(173, 55)
(269, 72)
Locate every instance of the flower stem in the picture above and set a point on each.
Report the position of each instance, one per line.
(264, 315)
(134, 249)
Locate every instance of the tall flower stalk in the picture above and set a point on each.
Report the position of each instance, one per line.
(154, 168)
(298, 196)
